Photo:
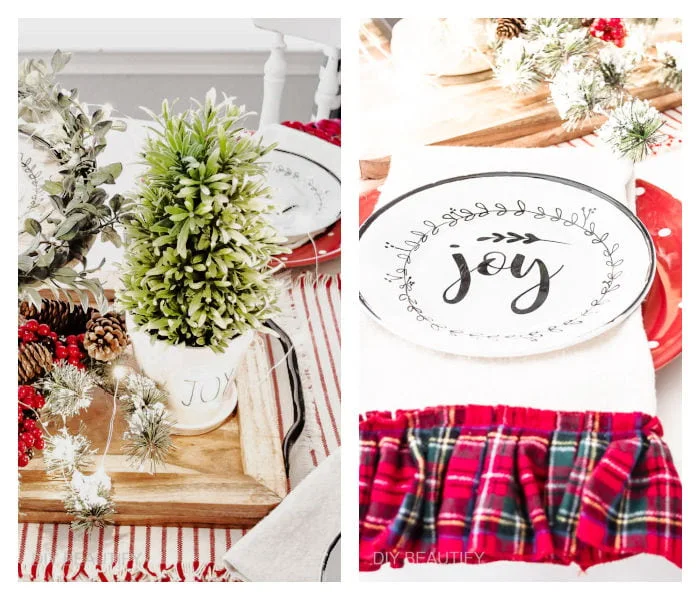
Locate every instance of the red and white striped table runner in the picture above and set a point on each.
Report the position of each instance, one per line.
(52, 552)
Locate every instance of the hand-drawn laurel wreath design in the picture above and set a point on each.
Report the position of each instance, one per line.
(581, 219)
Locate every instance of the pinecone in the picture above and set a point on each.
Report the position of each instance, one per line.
(105, 336)
(58, 315)
(34, 360)
(509, 28)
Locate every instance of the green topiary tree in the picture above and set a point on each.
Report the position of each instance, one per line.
(196, 267)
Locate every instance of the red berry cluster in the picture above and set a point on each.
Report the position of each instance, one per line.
(69, 349)
(609, 30)
(29, 434)
(33, 331)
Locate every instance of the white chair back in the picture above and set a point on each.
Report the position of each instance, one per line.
(323, 31)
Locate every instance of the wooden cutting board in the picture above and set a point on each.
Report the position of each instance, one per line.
(474, 110)
(230, 477)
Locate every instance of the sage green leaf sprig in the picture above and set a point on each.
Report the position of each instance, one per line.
(73, 136)
(196, 268)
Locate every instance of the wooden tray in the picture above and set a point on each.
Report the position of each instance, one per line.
(474, 110)
(230, 477)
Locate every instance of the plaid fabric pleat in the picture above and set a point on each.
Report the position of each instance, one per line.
(480, 483)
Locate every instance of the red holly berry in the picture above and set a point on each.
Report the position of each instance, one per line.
(31, 325)
(71, 340)
(609, 30)
(61, 352)
(53, 335)
(30, 425)
(39, 401)
(74, 352)
(25, 391)
(81, 338)
(43, 330)
(27, 438)
(74, 360)
(22, 459)
(28, 336)
(39, 443)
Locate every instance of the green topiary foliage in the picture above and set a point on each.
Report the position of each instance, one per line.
(196, 263)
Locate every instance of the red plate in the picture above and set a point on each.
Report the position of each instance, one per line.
(326, 246)
(661, 311)
(661, 213)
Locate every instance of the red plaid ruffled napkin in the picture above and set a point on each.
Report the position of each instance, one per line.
(479, 484)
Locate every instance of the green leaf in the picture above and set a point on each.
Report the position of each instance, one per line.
(34, 296)
(69, 227)
(182, 239)
(46, 259)
(32, 226)
(107, 174)
(66, 272)
(101, 129)
(59, 60)
(25, 263)
(54, 188)
(116, 202)
(109, 234)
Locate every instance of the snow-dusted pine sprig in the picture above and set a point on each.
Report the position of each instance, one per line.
(89, 500)
(149, 423)
(557, 51)
(516, 68)
(670, 64)
(579, 92)
(633, 129)
(615, 65)
(547, 28)
(67, 391)
(65, 453)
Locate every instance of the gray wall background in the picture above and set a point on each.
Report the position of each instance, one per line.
(138, 62)
(128, 92)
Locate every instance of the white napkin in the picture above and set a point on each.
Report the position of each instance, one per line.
(611, 372)
(292, 542)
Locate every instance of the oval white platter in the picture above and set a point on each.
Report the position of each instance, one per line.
(503, 264)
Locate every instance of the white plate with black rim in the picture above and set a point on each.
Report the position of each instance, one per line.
(503, 264)
(304, 176)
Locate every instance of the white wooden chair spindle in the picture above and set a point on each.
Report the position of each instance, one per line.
(322, 31)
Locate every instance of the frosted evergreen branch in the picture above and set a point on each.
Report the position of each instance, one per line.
(148, 437)
(516, 67)
(65, 453)
(579, 92)
(67, 391)
(89, 500)
(633, 129)
(556, 52)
